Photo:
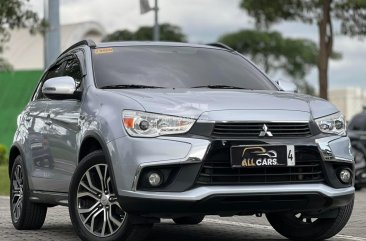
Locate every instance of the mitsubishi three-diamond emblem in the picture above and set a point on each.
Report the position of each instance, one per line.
(265, 131)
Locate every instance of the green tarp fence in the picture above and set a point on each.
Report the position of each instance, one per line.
(16, 89)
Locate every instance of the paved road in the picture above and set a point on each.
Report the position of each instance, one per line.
(58, 227)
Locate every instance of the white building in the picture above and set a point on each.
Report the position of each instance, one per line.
(24, 51)
(350, 100)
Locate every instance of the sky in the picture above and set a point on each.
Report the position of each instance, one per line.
(204, 21)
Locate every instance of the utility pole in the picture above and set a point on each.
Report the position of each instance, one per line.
(156, 23)
(52, 33)
(144, 8)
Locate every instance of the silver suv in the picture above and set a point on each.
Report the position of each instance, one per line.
(127, 133)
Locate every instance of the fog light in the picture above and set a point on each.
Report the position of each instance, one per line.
(154, 179)
(345, 176)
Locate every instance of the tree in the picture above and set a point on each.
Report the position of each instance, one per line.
(120, 35)
(14, 14)
(350, 13)
(5, 65)
(272, 51)
(168, 32)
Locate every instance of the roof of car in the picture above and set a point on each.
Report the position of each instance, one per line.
(92, 44)
(152, 43)
(363, 113)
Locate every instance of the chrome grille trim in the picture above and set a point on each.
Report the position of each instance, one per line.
(278, 129)
(217, 170)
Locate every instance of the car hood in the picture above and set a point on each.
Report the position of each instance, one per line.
(194, 102)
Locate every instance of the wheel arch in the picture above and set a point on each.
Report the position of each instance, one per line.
(89, 144)
(93, 142)
(15, 151)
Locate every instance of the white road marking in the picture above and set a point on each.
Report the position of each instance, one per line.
(266, 227)
(248, 225)
(341, 236)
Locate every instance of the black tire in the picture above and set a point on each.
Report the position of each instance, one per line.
(25, 215)
(358, 187)
(293, 228)
(126, 231)
(191, 220)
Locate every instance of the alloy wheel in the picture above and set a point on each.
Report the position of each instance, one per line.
(97, 204)
(17, 193)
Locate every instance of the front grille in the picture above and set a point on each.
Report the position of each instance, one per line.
(239, 130)
(216, 169)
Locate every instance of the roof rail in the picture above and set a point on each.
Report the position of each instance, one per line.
(87, 42)
(220, 45)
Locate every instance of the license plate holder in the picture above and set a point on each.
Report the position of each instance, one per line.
(262, 156)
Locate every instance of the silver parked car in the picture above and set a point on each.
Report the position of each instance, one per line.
(127, 133)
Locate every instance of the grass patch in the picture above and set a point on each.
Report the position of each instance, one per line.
(4, 180)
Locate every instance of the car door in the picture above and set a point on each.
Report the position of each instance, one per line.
(63, 116)
(363, 132)
(357, 134)
(357, 129)
(35, 117)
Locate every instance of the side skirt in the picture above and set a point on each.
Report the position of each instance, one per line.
(50, 198)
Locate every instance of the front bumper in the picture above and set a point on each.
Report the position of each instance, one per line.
(248, 200)
(201, 193)
(190, 151)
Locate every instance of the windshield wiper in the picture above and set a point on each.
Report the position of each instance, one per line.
(219, 87)
(130, 87)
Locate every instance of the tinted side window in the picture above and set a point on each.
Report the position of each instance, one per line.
(72, 69)
(55, 71)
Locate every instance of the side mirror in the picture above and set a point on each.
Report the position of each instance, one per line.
(59, 88)
(287, 86)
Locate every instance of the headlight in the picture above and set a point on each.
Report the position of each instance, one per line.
(333, 124)
(143, 124)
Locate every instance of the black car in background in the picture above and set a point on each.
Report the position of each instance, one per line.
(357, 134)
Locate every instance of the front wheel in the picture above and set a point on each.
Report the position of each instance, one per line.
(298, 226)
(358, 187)
(25, 214)
(94, 209)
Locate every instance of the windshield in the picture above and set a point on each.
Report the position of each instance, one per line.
(175, 67)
